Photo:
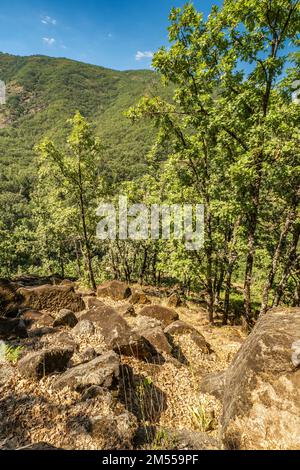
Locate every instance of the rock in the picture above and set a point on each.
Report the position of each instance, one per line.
(63, 339)
(179, 328)
(139, 297)
(41, 363)
(174, 301)
(201, 342)
(84, 328)
(65, 317)
(96, 315)
(8, 302)
(151, 329)
(214, 384)
(118, 431)
(118, 335)
(12, 328)
(36, 319)
(92, 302)
(40, 332)
(88, 355)
(92, 392)
(261, 406)
(52, 298)
(126, 310)
(163, 314)
(102, 372)
(296, 353)
(116, 290)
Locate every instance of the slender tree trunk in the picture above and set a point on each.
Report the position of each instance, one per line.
(252, 221)
(290, 263)
(87, 243)
(209, 276)
(219, 284)
(296, 301)
(61, 262)
(144, 266)
(154, 270)
(277, 254)
(232, 256)
(77, 260)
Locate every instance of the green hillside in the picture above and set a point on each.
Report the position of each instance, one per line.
(43, 92)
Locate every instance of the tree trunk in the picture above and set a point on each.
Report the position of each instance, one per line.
(232, 256)
(290, 263)
(209, 278)
(252, 220)
(277, 254)
(86, 243)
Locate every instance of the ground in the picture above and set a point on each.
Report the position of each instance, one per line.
(162, 395)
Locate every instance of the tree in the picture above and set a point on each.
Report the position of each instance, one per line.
(220, 125)
(74, 172)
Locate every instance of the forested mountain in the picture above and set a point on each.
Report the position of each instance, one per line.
(43, 92)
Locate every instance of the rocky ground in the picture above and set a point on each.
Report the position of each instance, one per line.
(127, 368)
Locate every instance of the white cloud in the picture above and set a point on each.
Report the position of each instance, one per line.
(49, 41)
(48, 20)
(144, 55)
(110, 35)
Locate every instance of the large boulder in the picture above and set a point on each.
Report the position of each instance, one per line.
(214, 384)
(35, 319)
(163, 314)
(8, 304)
(180, 328)
(126, 310)
(61, 339)
(118, 335)
(84, 328)
(116, 290)
(92, 302)
(52, 298)
(12, 328)
(261, 407)
(38, 364)
(65, 317)
(102, 372)
(151, 329)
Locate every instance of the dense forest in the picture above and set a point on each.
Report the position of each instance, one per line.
(215, 123)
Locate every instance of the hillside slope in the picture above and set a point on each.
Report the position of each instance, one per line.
(43, 92)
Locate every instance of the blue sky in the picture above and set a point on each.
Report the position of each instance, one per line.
(120, 34)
